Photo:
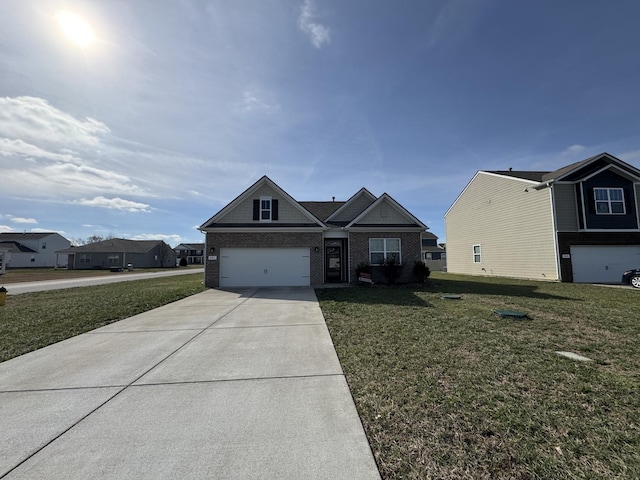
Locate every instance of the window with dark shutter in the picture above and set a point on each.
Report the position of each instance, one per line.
(256, 209)
(274, 209)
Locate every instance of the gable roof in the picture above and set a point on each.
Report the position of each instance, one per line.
(385, 197)
(115, 245)
(15, 247)
(18, 236)
(573, 171)
(250, 191)
(361, 196)
(190, 246)
(322, 210)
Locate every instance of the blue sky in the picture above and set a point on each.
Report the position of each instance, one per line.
(178, 106)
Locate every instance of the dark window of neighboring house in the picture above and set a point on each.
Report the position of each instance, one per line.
(85, 258)
(33, 258)
(477, 254)
(609, 201)
(44, 245)
(381, 249)
(435, 256)
(113, 259)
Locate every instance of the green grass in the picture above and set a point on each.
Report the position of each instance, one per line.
(34, 320)
(447, 389)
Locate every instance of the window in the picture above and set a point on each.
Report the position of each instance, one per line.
(44, 245)
(609, 201)
(381, 249)
(85, 258)
(265, 209)
(113, 259)
(33, 258)
(477, 254)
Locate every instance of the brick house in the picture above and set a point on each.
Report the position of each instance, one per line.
(264, 237)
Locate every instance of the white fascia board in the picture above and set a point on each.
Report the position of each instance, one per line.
(616, 168)
(264, 230)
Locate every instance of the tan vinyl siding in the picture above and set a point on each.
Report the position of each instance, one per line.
(385, 214)
(355, 208)
(243, 213)
(514, 229)
(566, 207)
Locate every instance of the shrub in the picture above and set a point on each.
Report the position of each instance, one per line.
(421, 271)
(183, 262)
(363, 267)
(391, 270)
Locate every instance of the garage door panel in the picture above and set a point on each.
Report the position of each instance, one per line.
(603, 264)
(260, 267)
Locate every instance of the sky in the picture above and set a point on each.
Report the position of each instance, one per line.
(142, 119)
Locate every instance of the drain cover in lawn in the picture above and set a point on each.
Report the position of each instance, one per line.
(449, 296)
(510, 313)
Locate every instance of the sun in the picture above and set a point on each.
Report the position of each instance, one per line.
(75, 28)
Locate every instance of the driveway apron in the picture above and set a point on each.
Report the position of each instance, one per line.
(236, 384)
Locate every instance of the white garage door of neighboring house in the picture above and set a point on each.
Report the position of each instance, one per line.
(264, 267)
(603, 264)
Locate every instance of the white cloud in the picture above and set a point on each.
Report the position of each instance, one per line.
(34, 120)
(574, 150)
(318, 33)
(251, 103)
(114, 204)
(5, 228)
(9, 146)
(168, 238)
(23, 220)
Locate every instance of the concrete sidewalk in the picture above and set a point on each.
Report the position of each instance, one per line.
(225, 385)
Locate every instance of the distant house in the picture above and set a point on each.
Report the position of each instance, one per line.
(33, 250)
(579, 223)
(434, 254)
(193, 253)
(264, 237)
(119, 253)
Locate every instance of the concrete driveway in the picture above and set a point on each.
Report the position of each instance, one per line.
(225, 385)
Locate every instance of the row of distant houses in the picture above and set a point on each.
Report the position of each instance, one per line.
(580, 223)
(50, 249)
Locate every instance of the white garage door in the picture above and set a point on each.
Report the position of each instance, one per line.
(603, 264)
(264, 267)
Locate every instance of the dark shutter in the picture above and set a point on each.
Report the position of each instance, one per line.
(274, 209)
(256, 209)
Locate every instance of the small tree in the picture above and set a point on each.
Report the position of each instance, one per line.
(421, 271)
(183, 262)
(391, 270)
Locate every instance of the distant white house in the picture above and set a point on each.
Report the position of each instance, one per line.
(33, 250)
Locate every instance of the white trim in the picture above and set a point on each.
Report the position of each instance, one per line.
(473, 253)
(265, 198)
(554, 225)
(263, 229)
(608, 201)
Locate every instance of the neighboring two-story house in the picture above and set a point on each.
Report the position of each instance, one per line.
(266, 238)
(33, 250)
(434, 254)
(193, 253)
(579, 223)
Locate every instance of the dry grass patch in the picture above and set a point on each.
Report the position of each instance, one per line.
(447, 389)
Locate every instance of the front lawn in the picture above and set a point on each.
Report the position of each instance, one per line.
(447, 389)
(35, 320)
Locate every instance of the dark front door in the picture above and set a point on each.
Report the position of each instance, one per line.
(333, 263)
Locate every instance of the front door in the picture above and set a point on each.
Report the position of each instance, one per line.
(333, 262)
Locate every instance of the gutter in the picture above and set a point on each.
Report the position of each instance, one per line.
(540, 186)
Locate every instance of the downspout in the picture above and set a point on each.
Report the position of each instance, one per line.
(556, 247)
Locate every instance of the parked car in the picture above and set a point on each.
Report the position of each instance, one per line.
(632, 277)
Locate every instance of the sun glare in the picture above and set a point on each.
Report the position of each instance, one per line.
(75, 28)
